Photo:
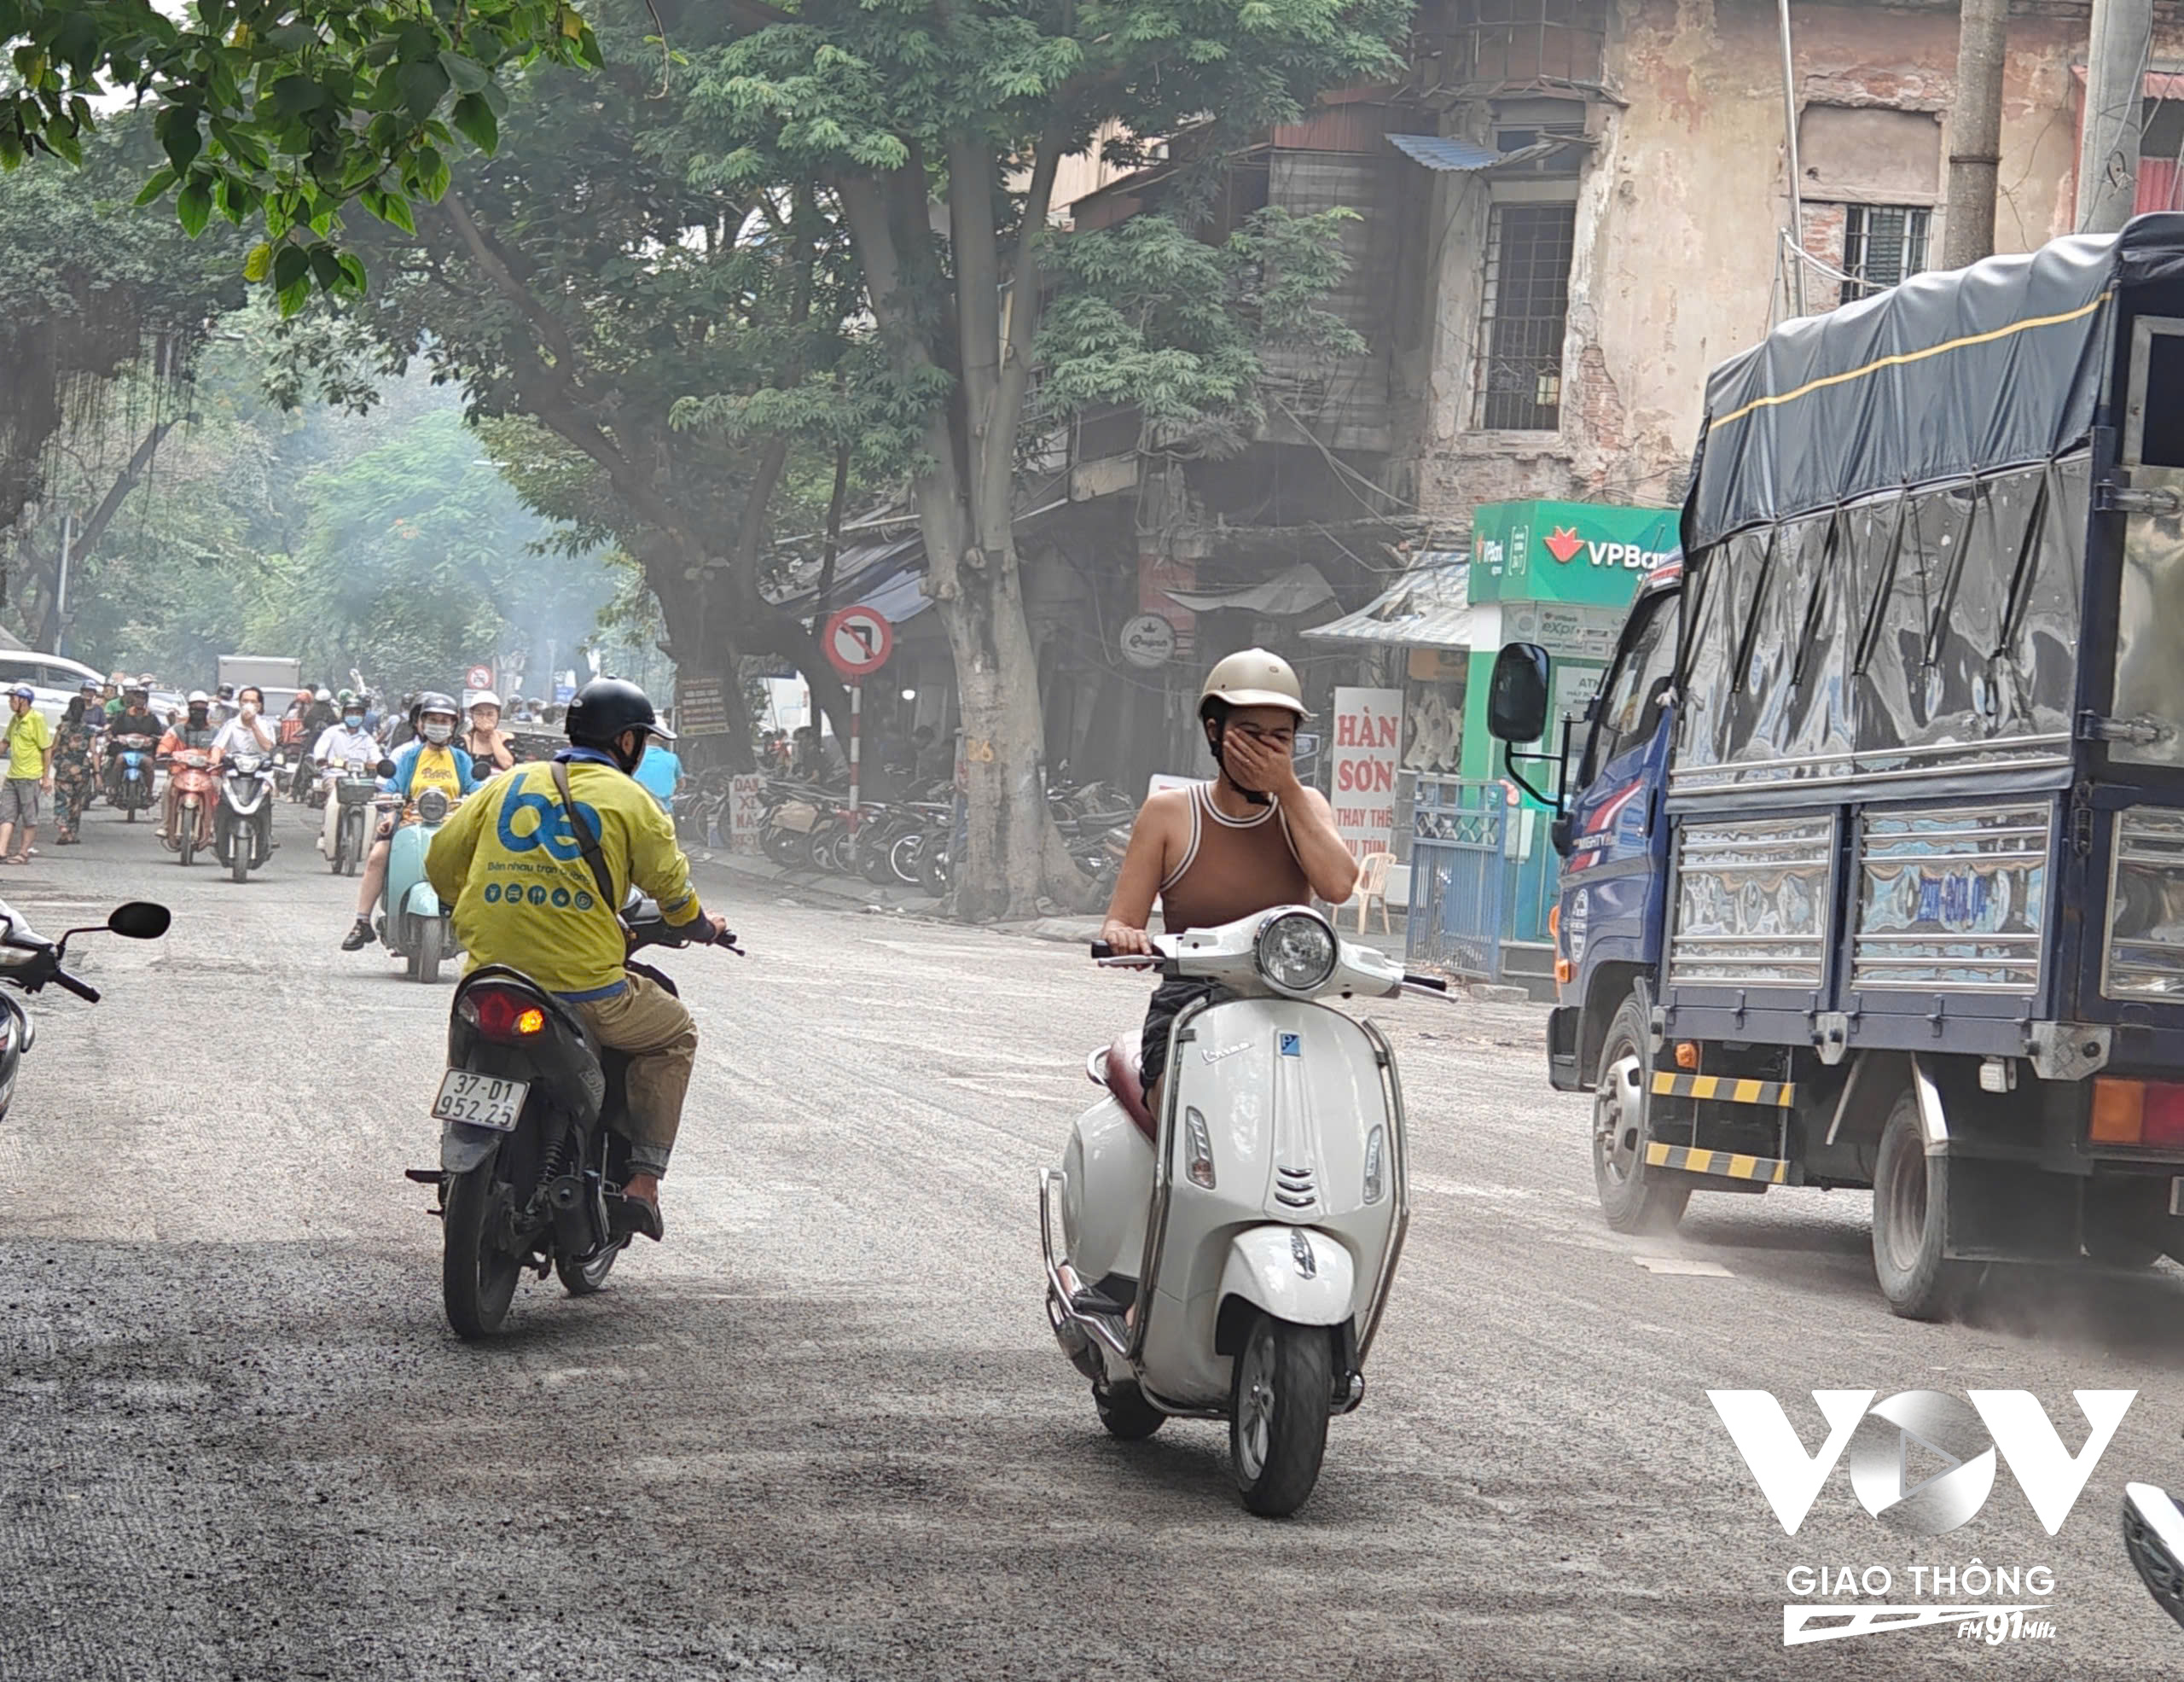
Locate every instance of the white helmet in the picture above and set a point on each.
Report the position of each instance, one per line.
(198, 698)
(1254, 677)
(323, 694)
(483, 698)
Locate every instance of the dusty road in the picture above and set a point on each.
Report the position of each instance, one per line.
(823, 1431)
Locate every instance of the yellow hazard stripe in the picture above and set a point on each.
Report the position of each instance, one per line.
(1722, 1164)
(1726, 1088)
(1903, 357)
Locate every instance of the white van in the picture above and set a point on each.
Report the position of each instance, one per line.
(56, 677)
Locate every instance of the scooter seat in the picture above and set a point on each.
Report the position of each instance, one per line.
(1122, 1078)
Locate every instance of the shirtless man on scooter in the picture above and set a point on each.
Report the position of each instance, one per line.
(1252, 839)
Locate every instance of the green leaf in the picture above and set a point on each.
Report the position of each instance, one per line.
(293, 264)
(294, 297)
(160, 181)
(193, 204)
(467, 75)
(325, 267)
(177, 128)
(294, 96)
(352, 270)
(421, 86)
(395, 209)
(255, 265)
(475, 119)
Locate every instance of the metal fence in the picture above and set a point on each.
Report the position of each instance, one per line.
(1460, 876)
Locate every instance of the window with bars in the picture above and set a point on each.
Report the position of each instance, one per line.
(1882, 245)
(1527, 305)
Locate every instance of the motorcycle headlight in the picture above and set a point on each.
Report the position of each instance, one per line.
(1295, 951)
(2146, 907)
(432, 805)
(248, 763)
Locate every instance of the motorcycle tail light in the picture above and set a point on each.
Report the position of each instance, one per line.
(505, 1016)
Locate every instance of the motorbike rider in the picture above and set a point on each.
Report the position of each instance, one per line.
(194, 731)
(110, 693)
(1252, 839)
(434, 761)
(344, 742)
(136, 718)
(249, 731)
(497, 858)
(485, 741)
(224, 704)
(320, 714)
(73, 777)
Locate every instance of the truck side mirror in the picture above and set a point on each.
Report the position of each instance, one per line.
(1516, 699)
(1558, 834)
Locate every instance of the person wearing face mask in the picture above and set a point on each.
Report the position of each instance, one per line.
(192, 732)
(249, 731)
(432, 761)
(340, 743)
(536, 869)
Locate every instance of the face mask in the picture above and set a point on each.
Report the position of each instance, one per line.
(437, 732)
(354, 720)
(197, 715)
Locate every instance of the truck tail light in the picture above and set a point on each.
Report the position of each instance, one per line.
(2148, 1113)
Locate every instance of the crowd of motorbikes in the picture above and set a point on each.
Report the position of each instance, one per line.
(909, 840)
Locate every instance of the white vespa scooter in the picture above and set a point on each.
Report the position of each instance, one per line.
(1230, 1258)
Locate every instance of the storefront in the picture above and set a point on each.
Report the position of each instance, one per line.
(1559, 574)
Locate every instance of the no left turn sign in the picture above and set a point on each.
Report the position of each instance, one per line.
(858, 641)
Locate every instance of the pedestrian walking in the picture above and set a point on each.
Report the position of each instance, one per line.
(29, 746)
(73, 775)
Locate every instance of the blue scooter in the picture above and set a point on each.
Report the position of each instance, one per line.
(412, 924)
(132, 784)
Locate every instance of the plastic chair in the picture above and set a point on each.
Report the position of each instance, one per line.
(1373, 884)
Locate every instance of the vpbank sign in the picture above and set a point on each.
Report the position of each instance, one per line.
(1921, 1462)
(1589, 553)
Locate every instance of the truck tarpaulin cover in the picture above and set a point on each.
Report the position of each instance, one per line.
(1981, 368)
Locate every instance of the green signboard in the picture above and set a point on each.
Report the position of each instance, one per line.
(1588, 552)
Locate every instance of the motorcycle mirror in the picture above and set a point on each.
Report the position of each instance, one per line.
(2153, 1532)
(140, 920)
(384, 768)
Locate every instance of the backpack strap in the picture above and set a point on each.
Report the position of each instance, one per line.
(586, 842)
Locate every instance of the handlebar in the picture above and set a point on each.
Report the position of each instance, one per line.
(82, 990)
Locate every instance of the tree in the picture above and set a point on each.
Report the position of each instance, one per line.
(600, 324)
(889, 102)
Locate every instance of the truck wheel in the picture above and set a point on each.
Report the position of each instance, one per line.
(1910, 1217)
(1634, 1198)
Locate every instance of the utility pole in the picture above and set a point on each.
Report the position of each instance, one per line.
(2115, 88)
(61, 583)
(1975, 132)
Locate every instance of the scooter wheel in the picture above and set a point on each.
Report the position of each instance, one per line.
(132, 814)
(1125, 1412)
(1284, 1390)
(587, 1278)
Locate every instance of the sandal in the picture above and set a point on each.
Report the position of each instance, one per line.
(627, 1216)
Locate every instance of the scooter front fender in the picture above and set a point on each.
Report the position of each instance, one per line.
(1292, 1272)
(464, 1146)
(420, 900)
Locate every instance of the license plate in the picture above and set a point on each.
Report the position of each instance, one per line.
(479, 1100)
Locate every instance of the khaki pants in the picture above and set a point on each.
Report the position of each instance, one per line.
(651, 1025)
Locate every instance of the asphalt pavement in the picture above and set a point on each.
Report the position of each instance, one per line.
(823, 1431)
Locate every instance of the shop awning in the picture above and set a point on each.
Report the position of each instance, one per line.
(1430, 609)
(1297, 590)
(1447, 152)
(882, 576)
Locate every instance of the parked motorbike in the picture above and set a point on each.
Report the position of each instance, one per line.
(131, 785)
(530, 1158)
(1231, 1257)
(344, 835)
(28, 961)
(242, 821)
(2154, 1535)
(413, 923)
(191, 778)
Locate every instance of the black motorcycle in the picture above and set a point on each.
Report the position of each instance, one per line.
(532, 1160)
(28, 961)
(2154, 1535)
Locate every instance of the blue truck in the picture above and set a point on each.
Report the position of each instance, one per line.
(1872, 836)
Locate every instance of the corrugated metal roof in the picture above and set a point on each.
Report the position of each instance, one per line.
(1446, 152)
(1430, 609)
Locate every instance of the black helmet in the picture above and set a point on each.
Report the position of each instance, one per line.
(433, 702)
(605, 707)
